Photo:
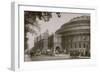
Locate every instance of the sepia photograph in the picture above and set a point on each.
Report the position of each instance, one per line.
(56, 36)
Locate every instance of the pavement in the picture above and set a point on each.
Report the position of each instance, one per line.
(56, 57)
(44, 57)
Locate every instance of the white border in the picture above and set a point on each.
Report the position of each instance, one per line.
(18, 35)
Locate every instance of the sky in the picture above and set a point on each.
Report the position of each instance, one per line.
(52, 25)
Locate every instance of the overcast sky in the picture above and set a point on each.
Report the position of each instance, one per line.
(54, 24)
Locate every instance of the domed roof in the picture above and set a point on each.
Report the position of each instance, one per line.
(76, 24)
(77, 19)
(80, 18)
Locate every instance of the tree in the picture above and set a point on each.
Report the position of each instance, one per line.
(30, 21)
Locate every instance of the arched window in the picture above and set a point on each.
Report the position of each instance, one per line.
(84, 45)
(79, 44)
(75, 45)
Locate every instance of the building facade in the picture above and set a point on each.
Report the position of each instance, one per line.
(75, 35)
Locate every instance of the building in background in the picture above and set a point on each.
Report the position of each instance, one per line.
(75, 35)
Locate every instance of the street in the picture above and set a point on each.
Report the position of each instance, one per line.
(45, 57)
(56, 57)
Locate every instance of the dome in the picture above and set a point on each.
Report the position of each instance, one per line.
(78, 25)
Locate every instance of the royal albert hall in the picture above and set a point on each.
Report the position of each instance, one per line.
(75, 35)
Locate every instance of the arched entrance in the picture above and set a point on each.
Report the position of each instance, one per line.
(58, 50)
